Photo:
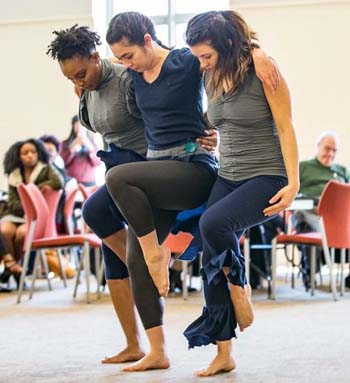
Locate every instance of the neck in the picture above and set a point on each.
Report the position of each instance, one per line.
(159, 55)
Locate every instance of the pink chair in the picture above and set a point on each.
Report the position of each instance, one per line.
(68, 211)
(52, 198)
(37, 215)
(334, 216)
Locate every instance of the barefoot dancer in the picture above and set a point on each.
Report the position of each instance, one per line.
(258, 174)
(107, 108)
(178, 176)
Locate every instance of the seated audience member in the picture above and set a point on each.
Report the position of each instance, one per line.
(25, 162)
(11, 266)
(314, 175)
(79, 154)
(53, 146)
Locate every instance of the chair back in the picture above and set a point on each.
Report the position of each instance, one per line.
(178, 243)
(86, 191)
(35, 209)
(334, 208)
(52, 198)
(68, 210)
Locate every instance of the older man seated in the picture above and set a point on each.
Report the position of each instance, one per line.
(314, 175)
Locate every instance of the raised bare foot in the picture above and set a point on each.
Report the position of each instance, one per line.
(220, 364)
(151, 361)
(242, 305)
(129, 354)
(158, 268)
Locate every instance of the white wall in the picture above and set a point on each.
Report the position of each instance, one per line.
(310, 41)
(35, 98)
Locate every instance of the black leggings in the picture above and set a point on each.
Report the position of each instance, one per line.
(149, 195)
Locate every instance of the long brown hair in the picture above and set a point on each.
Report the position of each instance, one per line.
(231, 37)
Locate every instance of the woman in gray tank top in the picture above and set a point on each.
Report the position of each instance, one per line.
(258, 176)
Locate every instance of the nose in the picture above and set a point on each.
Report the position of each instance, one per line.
(127, 64)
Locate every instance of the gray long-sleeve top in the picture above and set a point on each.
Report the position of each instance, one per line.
(111, 111)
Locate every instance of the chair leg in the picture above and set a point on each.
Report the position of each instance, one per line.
(62, 272)
(80, 267)
(313, 269)
(273, 268)
(342, 280)
(184, 280)
(23, 274)
(328, 260)
(35, 273)
(86, 263)
(46, 268)
(246, 251)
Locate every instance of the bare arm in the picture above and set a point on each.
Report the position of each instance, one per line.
(266, 69)
(280, 105)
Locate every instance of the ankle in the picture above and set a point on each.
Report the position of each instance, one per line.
(224, 348)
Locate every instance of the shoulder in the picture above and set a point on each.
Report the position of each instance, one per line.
(183, 56)
(340, 169)
(307, 163)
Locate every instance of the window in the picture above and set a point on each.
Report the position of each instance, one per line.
(169, 16)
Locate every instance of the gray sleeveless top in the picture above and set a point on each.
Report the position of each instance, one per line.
(111, 110)
(249, 143)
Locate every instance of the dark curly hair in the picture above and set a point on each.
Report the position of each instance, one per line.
(12, 158)
(73, 41)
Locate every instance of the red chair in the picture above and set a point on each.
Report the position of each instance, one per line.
(177, 244)
(68, 211)
(334, 215)
(37, 215)
(86, 191)
(52, 198)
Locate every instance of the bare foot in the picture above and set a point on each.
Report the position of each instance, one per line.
(220, 364)
(158, 268)
(242, 305)
(129, 354)
(152, 361)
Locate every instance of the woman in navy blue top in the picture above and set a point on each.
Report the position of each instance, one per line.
(168, 92)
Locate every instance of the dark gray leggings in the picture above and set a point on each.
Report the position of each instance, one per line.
(149, 195)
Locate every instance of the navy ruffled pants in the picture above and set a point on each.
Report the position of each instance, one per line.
(232, 208)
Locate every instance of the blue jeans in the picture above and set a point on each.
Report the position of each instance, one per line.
(232, 208)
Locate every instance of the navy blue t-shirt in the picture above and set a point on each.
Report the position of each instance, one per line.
(171, 106)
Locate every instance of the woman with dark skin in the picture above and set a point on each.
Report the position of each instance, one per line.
(28, 162)
(178, 176)
(253, 185)
(107, 108)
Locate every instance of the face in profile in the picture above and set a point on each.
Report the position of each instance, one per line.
(135, 57)
(326, 151)
(84, 72)
(28, 155)
(207, 55)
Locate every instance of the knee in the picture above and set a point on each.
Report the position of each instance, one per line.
(21, 233)
(116, 180)
(7, 231)
(208, 225)
(89, 211)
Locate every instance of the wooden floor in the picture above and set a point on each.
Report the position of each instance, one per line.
(54, 339)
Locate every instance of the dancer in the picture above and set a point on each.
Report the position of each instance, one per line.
(258, 174)
(179, 174)
(106, 107)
